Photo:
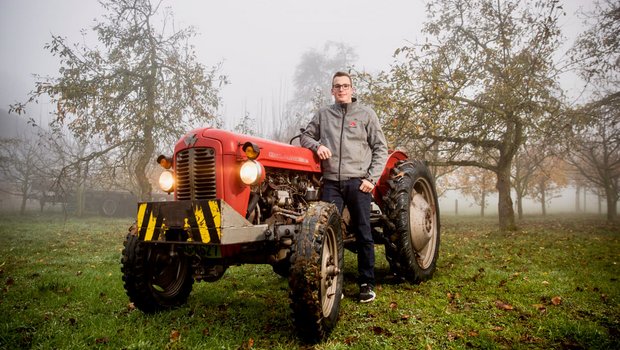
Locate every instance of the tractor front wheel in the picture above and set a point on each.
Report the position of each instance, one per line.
(155, 277)
(316, 274)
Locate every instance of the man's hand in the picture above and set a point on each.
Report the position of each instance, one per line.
(323, 152)
(366, 186)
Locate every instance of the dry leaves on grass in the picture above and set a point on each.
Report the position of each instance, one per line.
(175, 335)
(503, 306)
(247, 345)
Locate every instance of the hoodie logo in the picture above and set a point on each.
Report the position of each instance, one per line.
(352, 124)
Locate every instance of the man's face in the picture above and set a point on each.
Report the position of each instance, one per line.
(342, 89)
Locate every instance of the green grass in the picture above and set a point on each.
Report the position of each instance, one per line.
(554, 284)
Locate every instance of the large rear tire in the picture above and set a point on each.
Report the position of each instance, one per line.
(316, 274)
(155, 278)
(413, 211)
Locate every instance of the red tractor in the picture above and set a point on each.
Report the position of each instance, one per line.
(245, 200)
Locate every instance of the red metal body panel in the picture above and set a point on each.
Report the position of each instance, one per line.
(382, 185)
(230, 157)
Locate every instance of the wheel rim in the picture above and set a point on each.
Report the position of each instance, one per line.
(329, 271)
(168, 274)
(109, 207)
(422, 222)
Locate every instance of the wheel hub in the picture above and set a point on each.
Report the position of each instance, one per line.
(421, 221)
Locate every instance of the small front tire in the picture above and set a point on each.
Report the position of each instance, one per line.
(155, 278)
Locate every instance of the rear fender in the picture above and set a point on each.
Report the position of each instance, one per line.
(382, 186)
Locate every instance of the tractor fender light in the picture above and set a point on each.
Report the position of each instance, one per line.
(252, 151)
(164, 161)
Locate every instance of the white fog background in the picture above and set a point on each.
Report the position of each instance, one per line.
(259, 44)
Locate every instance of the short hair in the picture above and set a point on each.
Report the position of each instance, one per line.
(343, 74)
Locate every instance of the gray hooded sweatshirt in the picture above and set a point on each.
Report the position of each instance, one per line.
(353, 134)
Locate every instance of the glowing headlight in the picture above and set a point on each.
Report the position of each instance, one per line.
(251, 172)
(166, 181)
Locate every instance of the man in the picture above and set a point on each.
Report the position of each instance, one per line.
(348, 139)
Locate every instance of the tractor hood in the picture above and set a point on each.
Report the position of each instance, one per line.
(272, 153)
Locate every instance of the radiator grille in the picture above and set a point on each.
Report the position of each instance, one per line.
(195, 172)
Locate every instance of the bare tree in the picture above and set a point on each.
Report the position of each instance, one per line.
(477, 183)
(312, 84)
(246, 126)
(595, 149)
(21, 164)
(595, 146)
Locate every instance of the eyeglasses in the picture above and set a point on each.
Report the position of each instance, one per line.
(341, 86)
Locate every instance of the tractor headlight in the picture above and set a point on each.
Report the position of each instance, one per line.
(166, 181)
(252, 172)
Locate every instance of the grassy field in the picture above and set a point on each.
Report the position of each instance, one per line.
(553, 284)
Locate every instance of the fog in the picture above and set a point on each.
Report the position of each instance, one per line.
(259, 44)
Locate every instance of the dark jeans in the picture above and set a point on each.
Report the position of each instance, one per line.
(347, 193)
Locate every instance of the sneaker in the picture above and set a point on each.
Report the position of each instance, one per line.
(366, 293)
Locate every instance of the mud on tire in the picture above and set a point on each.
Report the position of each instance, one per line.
(154, 279)
(413, 211)
(316, 274)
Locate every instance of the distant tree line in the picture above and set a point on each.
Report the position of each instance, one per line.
(480, 98)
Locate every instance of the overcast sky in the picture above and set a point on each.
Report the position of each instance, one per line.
(259, 42)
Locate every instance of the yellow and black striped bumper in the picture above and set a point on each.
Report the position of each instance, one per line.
(207, 222)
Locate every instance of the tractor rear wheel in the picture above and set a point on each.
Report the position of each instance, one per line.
(316, 274)
(155, 278)
(413, 211)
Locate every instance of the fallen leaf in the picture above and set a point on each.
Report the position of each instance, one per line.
(205, 332)
(131, 306)
(381, 331)
(393, 305)
(497, 328)
(247, 345)
(350, 340)
(473, 334)
(103, 340)
(540, 307)
(546, 283)
(503, 306)
(556, 301)
(175, 335)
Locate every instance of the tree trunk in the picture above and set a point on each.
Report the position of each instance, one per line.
(543, 201)
(612, 205)
(504, 205)
(22, 207)
(577, 194)
(483, 202)
(520, 206)
(79, 200)
(149, 121)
